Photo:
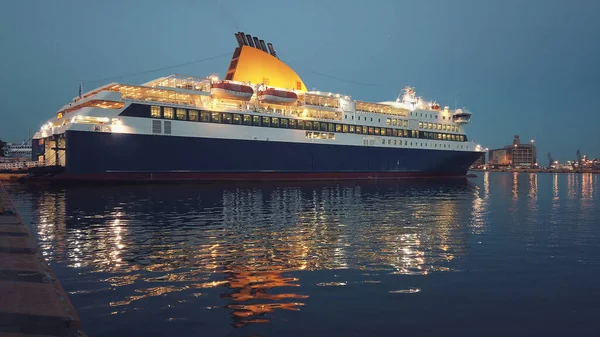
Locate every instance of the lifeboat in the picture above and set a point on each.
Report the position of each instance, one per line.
(228, 90)
(435, 107)
(277, 96)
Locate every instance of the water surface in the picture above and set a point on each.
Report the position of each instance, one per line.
(500, 255)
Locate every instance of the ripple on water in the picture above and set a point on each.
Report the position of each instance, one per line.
(332, 284)
(256, 252)
(405, 291)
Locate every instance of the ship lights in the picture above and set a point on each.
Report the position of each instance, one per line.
(118, 126)
(90, 119)
(47, 126)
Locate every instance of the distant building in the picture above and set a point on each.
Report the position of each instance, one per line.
(500, 157)
(516, 155)
(480, 162)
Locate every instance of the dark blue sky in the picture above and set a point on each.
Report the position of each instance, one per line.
(522, 67)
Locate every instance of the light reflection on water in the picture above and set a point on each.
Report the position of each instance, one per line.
(251, 249)
(252, 229)
(252, 236)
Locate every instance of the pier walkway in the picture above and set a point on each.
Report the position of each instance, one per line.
(32, 302)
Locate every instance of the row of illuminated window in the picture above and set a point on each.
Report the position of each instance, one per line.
(138, 110)
(437, 126)
(96, 103)
(319, 135)
(157, 95)
(397, 122)
(323, 101)
(441, 136)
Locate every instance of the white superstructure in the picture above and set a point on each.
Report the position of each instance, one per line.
(100, 110)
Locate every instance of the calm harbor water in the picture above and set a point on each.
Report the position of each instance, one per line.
(502, 254)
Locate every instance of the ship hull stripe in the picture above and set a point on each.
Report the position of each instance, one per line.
(253, 176)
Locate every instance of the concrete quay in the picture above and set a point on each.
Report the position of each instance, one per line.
(32, 301)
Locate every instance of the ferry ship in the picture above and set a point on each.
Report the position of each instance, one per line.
(22, 150)
(258, 123)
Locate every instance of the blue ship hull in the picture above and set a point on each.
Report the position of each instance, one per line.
(96, 155)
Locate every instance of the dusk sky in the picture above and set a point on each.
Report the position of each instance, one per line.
(525, 67)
